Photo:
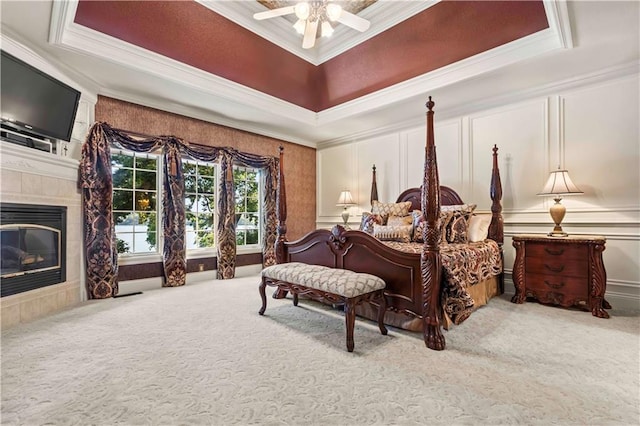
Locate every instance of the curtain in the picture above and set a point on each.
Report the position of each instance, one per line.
(174, 257)
(101, 253)
(97, 187)
(226, 242)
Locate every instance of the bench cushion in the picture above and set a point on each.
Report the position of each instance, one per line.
(337, 281)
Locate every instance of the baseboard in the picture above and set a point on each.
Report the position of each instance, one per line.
(146, 284)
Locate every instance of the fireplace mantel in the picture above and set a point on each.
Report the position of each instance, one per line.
(29, 160)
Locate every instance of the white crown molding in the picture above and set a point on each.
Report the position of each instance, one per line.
(205, 116)
(383, 15)
(65, 33)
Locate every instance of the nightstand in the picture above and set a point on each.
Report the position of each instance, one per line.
(564, 271)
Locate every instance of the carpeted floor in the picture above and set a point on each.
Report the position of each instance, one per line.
(201, 354)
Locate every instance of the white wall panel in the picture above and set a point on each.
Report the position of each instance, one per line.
(520, 131)
(384, 152)
(336, 172)
(602, 145)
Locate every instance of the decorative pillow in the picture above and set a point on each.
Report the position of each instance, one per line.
(458, 227)
(465, 208)
(479, 227)
(391, 209)
(419, 223)
(368, 220)
(400, 233)
(399, 220)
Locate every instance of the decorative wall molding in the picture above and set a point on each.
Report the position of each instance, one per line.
(29, 160)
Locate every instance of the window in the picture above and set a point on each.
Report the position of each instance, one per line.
(199, 203)
(247, 199)
(135, 201)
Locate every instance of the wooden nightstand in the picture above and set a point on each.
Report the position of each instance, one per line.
(565, 271)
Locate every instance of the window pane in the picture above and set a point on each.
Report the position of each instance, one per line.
(206, 204)
(188, 168)
(122, 200)
(205, 239)
(190, 203)
(145, 201)
(206, 170)
(122, 178)
(122, 218)
(140, 243)
(205, 222)
(190, 221)
(190, 184)
(124, 242)
(146, 163)
(240, 240)
(191, 240)
(206, 185)
(121, 160)
(252, 237)
(145, 180)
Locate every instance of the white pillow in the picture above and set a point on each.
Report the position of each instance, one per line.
(479, 227)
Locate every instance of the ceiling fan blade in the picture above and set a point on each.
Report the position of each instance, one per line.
(354, 21)
(310, 32)
(274, 12)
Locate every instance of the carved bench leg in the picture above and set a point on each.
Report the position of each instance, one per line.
(350, 321)
(382, 309)
(295, 298)
(263, 296)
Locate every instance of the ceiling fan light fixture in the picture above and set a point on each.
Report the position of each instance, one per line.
(326, 29)
(334, 11)
(300, 26)
(302, 10)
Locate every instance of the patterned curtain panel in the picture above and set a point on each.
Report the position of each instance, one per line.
(270, 221)
(226, 220)
(173, 219)
(99, 233)
(270, 218)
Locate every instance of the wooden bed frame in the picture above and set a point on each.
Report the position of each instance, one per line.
(414, 281)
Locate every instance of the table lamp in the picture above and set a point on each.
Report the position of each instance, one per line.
(559, 184)
(345, 200)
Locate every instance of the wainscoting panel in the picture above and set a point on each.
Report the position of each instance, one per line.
(384, 152)
(336, 165)
(520, 131)
(599, 124)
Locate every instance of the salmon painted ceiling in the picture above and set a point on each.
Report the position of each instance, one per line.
(191, 33)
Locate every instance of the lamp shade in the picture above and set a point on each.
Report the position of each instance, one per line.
(345, 199)
(559, 183)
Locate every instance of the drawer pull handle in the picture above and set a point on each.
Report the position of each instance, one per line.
(556, 286)
(554, 252)
(552, 269)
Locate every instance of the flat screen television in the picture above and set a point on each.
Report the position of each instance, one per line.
(35, 103)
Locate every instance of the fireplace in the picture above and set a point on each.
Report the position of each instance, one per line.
(33, 244)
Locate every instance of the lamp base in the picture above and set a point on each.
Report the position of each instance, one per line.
(345, 218)
(557, 212)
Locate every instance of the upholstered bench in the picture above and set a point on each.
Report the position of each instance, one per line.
(332, 285)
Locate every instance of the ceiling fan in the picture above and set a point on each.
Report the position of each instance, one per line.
(316, 14)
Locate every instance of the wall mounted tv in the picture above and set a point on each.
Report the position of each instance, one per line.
(34, 103)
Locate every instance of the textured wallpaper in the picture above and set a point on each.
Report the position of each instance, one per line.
(300, 161)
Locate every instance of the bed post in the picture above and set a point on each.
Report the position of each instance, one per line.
(374, 187)
(281, 201)
(430, 262)
(496, 229)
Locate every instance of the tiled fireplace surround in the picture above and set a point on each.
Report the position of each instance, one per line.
(30, 176)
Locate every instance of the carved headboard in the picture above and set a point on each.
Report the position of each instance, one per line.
(448, 197)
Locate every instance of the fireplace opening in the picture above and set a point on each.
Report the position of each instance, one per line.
(32, 247)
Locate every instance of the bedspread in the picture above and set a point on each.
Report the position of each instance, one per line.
(464, 265)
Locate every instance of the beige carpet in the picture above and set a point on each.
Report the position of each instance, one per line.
(201, 354)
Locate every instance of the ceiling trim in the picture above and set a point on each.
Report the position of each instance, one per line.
(261, 107)
(383, 15)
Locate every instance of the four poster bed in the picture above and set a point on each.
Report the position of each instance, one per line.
(427, 282)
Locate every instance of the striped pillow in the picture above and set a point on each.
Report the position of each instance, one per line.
(401, 233)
